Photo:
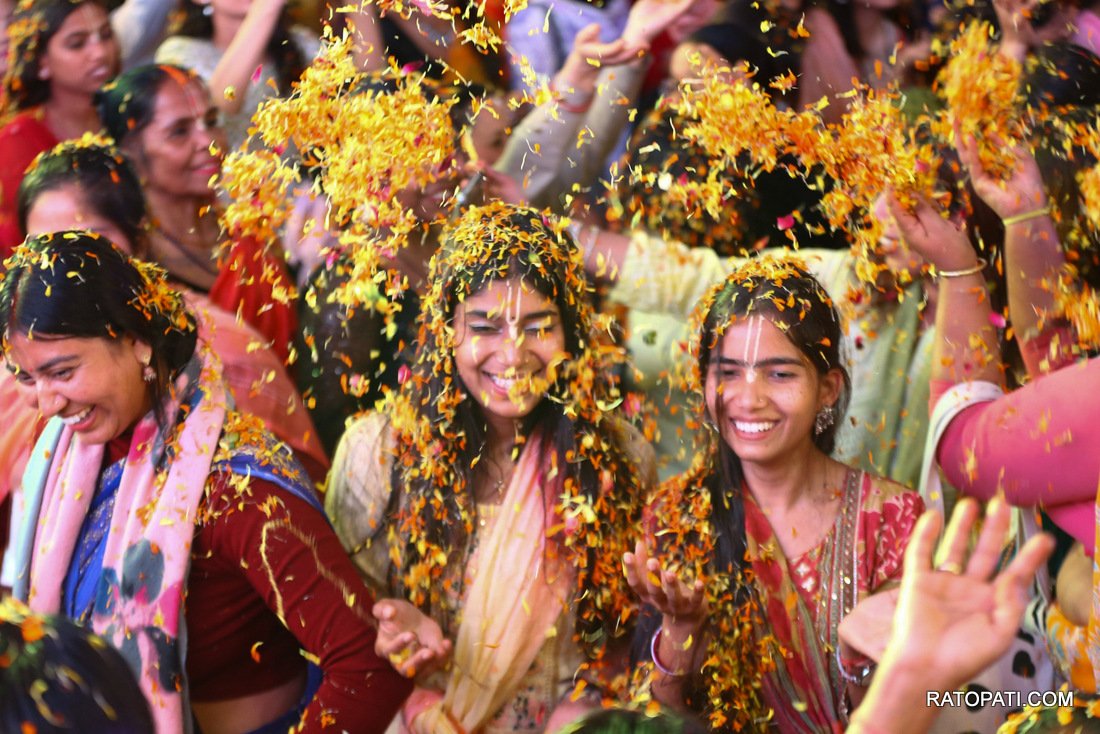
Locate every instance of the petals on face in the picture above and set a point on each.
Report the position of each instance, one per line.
(508, 336)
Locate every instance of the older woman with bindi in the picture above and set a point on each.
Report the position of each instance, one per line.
(165, 123)
(178, 529)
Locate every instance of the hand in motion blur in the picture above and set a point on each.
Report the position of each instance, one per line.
(411, 640)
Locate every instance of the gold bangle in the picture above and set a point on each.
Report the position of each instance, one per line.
(976, 268)
(1033, 214)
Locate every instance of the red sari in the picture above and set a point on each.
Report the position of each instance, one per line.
(254, 284)
(805, 598)
(21, 140)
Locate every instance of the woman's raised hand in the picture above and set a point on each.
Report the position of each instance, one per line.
(955, 617)
(411, 640)
(1022, 192)
(682, 604)
(588, 55)
(941, 242)
(649, 18)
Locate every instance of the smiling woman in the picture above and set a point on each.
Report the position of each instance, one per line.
(786, 538)
(61, 53)
(163, 120)
(493, 497)
(88, 185)
(152, 508)
(508, 335)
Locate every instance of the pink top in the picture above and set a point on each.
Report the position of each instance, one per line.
(1087, 34)
(1038, 444)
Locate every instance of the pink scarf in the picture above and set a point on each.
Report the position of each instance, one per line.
(139, 597)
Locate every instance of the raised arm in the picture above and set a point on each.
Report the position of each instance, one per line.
(544, 143)
(1033, 254)
(139, 26)
(559, 147)
(244, 53)
(967, 348)
(952, 620)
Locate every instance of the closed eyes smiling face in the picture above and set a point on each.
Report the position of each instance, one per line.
(507, 337)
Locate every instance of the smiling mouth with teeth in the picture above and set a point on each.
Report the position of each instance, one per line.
(72, 420)
(754, 426)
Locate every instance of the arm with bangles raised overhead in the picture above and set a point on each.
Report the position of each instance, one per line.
(1035, 444)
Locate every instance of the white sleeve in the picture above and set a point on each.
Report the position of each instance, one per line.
(140, 26)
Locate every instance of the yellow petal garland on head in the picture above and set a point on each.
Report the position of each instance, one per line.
(591, 527)
(156, 296)
(740, 651)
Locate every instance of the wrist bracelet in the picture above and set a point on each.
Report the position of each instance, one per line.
(654, 643)
(974, 269)
(1033, 214)
(860, 676)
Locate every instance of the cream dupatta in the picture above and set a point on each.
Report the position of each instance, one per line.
(511, 605)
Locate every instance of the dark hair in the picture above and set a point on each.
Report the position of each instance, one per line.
(33, 24)
(1063, 97)
(787, 295)
(58, 677)
(782, 291)
(78, 284)
(126, 105)
(499, 242)
(106, 182)
(281, 48)
(632, 721)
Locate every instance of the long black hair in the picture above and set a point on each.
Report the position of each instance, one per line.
(703, 509)
(444, 432)
(78, 284)
(812, 324)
